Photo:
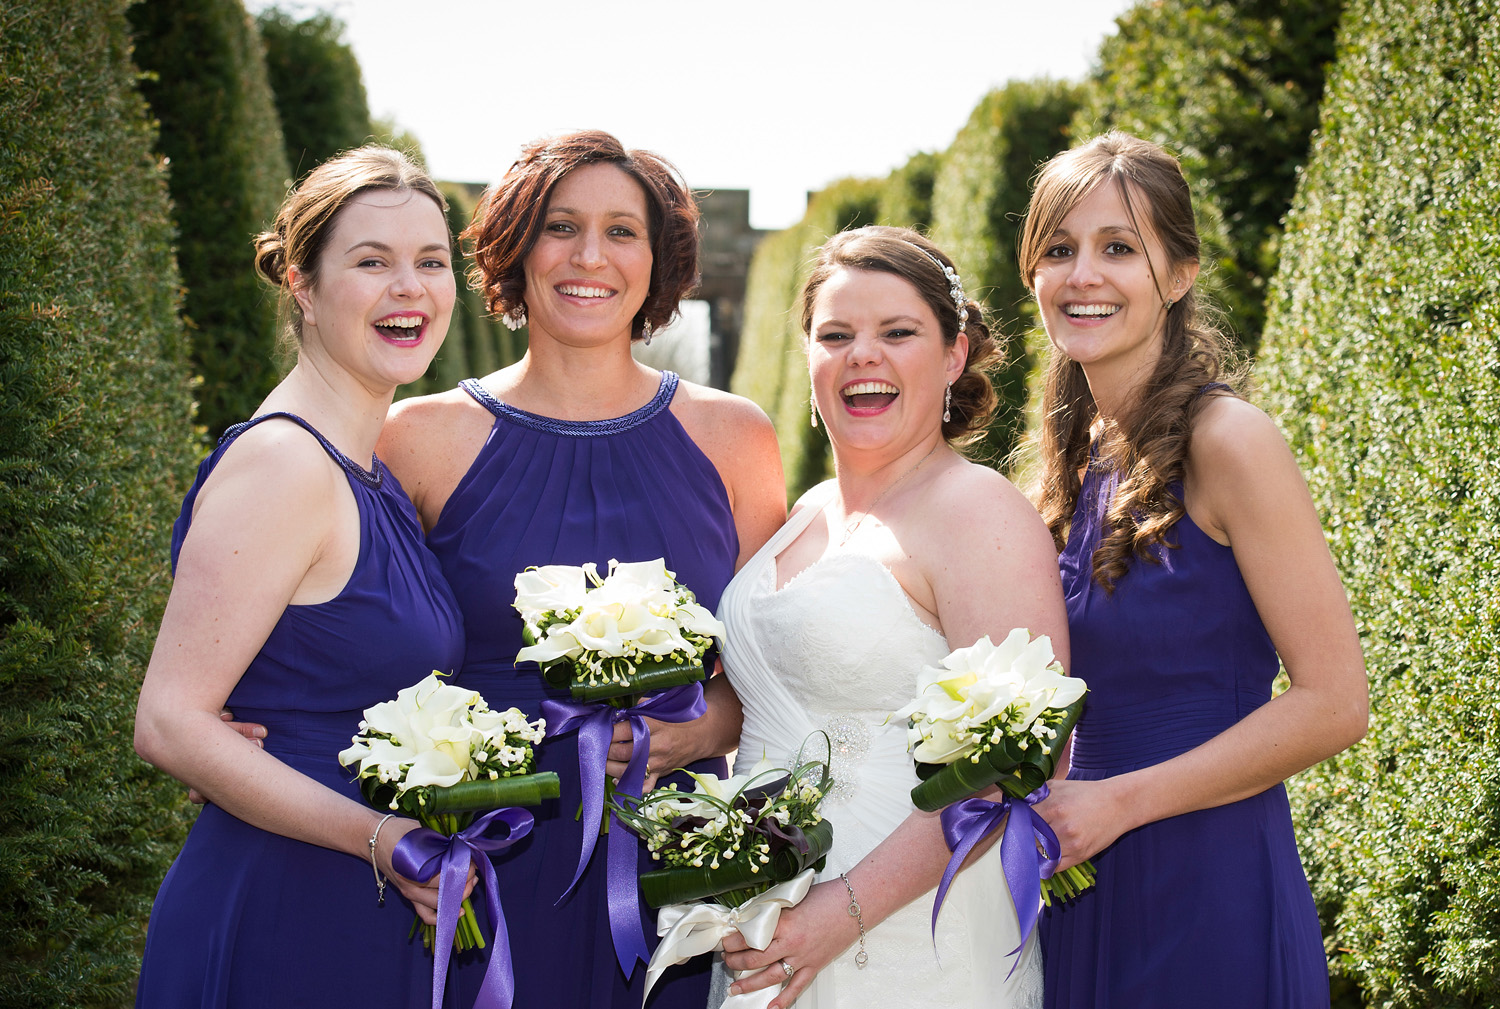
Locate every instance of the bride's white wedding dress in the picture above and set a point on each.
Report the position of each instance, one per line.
(838, 648)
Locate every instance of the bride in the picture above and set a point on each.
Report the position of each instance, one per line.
(911, 552)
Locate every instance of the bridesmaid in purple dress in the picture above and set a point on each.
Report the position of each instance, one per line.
(304, 594)
(575, 454)
(1193, 560)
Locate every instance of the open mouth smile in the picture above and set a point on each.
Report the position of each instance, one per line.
(404, 329)
(1090, 311)
(869, 395)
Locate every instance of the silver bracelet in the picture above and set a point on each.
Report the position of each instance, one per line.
(861, 958)
(379, 879)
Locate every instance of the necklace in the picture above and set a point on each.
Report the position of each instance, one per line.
(851, 528)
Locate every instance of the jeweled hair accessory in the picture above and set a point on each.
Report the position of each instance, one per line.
(955, 286)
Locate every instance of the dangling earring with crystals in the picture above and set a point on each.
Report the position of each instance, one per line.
(812, 409)
(515, 318)
(948, 403)
(646, 332)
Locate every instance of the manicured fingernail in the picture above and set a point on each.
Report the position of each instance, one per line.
(734, 989)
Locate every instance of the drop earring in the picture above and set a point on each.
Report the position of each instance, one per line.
(948, 403)
(646, 332)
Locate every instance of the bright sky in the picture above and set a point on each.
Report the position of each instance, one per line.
(775, 96)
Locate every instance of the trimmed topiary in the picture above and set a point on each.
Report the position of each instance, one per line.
(95, 448)
(1382, 362)
(206, 83)
(316, 85)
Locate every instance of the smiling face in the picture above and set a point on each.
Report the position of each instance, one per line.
(589, 272)
(878, 362)
(384, 292)
(1101, 302)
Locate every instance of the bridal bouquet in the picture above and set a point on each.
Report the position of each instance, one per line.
(751, 842)
(997, 715)
(439, 754)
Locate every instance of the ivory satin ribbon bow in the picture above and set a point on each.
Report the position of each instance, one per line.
(688, 930)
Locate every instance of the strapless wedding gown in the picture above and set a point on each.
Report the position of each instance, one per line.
(838, 649)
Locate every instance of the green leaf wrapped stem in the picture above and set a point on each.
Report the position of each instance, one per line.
(684, 883)
(648, 677)
(476, 796)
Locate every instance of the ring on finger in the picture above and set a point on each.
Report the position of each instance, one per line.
(788, 969)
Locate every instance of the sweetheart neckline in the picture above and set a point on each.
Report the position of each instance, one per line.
(893, 580)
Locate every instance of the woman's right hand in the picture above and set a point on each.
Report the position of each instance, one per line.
(252, 731)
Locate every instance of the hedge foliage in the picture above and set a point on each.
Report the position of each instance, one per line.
(206, 84)
(978, 197)
(317, 87)
(476, 344)
(772, 364)
(95, 443)
(1234, 89)
(1382, 361)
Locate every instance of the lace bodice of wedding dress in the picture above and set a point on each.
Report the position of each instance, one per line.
(838, 648)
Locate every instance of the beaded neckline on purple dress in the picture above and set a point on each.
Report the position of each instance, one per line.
(577, 428)
(368, 477)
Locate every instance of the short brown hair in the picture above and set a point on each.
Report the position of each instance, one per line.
(511, 214)
(906, 254)
(305, 221)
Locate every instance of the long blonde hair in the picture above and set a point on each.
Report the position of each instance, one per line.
(1148, 448)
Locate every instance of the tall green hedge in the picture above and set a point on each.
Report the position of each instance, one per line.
(978, 195)
(772, 364)
(95, 445)
(1234, 88)
(1382, 362)
(206, 84)
(317, 87)
(476, 344)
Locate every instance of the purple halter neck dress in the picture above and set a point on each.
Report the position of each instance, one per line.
(1210, 908)
(544, 491)
(247, 918)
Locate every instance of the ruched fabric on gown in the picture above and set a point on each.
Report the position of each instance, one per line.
(1210, 908)
(837, 649)
(247, 918)
(543, 491)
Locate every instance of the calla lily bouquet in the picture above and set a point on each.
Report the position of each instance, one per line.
(736, 852)
(634, 630)
(995, 715)
(438, 754)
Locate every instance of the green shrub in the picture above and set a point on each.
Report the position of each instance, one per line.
(906, 198)
(206, 83)
(1382, 362)
(316, 84)
(95, 446)
(979, 193)
(1234, 89)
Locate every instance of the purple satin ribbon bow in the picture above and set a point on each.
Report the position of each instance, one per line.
(423, 852)
(968, 822)
(595, 723)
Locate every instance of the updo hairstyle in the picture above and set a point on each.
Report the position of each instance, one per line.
(906, 254)
(511, 214)
(1148, 447)
(307, 216)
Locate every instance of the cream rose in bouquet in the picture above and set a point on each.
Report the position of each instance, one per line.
(997, 715)
(735, 851)
(438, 753)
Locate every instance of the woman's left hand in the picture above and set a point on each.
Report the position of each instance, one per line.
(808, 938)
(677, 744)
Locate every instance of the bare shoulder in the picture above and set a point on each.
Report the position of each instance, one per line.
(277, 478)
(981, 501)
(721, 421)
(1239, 466)
(429, 442)
(1230, 433)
